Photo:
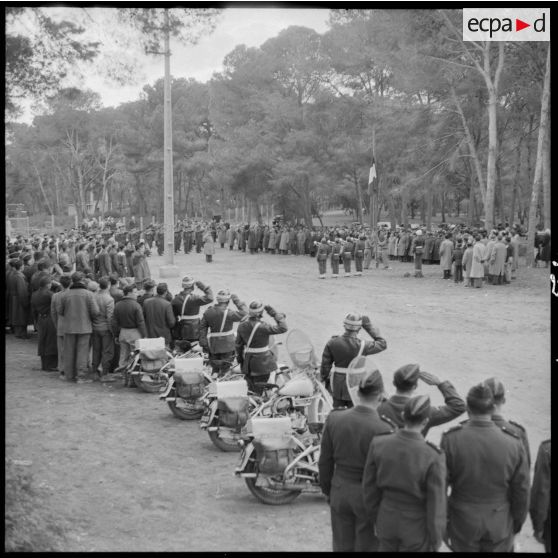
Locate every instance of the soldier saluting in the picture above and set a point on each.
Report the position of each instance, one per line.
(186, 307)
(341, 350)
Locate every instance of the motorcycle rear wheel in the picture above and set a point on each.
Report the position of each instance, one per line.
(224, 443)
(266, 494)
(184, 411)
(150, 387)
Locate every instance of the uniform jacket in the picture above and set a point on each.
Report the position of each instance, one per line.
(341, 350)
(348, 250)
(403, 470)
(539, 507)
(128, 314)
(345, 442)
(516, 429)
(323, 251)
(359, 249)
(212, 322)
(18, 298)
(487, 465)
(79, 309)
(454, 406)
(159, 317)
(189, 329)
(105, 263)
(258, 364)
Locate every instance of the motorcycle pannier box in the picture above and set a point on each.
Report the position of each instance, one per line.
(232, 388)
(272, 440)
(152, 343)
(189, 384)
(233, 411)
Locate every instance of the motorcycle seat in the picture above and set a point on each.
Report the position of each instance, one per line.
(265, 385)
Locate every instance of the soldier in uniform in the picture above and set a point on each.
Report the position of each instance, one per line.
(359, 254)
(186, 306)
(321, 256)
(489, 480)
(252, 344)
(148, 236)
(216, 328)
(336, 250)
(345, 441)
(539, 507)
(417, 249)
(405, 380)
(404, 485)
(348, 250)
(160, 240)
(499, 394)
(341, 350)
(187, 238)
(177, 237)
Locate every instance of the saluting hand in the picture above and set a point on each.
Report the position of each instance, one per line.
(429, 378)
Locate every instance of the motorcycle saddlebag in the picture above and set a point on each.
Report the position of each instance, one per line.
(233, 411)
(189, 384)
(152, 359)
(272, 461)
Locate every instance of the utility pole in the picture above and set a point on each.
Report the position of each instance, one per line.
(169, 269)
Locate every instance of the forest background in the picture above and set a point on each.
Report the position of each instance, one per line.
(456, 129)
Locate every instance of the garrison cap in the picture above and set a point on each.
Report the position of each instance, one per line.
(223, 295)
(417, 406)
(256, 308)
(371, 383)
(496, 387)
(353, 321)
(187, 281)
(408, 373)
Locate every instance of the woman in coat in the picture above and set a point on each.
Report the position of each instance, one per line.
(208, 246)
(40, 309)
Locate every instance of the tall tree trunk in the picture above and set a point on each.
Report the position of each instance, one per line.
(537, 181)
(500, 190)
(358, 196)
(516, 179)
(428, 218)
(471, 209)
(530, 149)
(404, 206)
(546, 180)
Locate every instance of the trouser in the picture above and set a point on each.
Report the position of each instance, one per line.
(49, 361)
(177, 240)
(479, 527)
(221, 367)
(322, 266)
(447, 273)
(208, 258)
(547, 535)
(418, 265)
(476, 282)
(458, 277)
(402, 528)
(358, 265)
(103, 351)
(347, 263)
(335, 266)
(76, 355)
(253, 382)
(351, 527)
(127, 339)
(367, 258)
(20, 331)
(60, 346)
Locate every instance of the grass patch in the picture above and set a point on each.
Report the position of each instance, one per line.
(29, 525)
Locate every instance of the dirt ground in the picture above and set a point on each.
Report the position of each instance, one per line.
(125, 475)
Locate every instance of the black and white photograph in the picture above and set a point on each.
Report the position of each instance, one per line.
(279, 277)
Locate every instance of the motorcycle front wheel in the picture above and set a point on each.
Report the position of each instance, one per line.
(224, 443)
(185, 410)
(267, 494)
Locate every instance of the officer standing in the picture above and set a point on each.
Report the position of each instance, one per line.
(336, 250)
(348, 250)
(216, 328)
(359, 254)
(341, 350)
(405, 380)
(539, 508)
(345, 441)
(489, 480)
(321, 256)
(499, 394)
(186, 307)
(252, 343)
(404, 485)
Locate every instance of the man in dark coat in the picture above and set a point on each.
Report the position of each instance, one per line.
(18, 297)
(344, 446)
(40, 308)
(159, 317)
(404, 485)
(405, 380)
(341, 350)
(489, 480)
(539, 507)
(186, 307)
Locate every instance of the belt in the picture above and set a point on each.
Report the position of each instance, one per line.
(257, 349)
(341, 370)
(184, 317)
(220, 334)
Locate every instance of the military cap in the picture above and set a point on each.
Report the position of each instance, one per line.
(187, 281)
(353, 321)
(417, 407)
(371, 383)
(256, 308)
(496, 387)
(408, 373)
(223, 295)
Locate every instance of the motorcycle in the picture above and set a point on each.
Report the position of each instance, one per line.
(146, 365)
(279, 457)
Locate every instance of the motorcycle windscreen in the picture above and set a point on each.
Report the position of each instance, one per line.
(356, 369)
(301, 350)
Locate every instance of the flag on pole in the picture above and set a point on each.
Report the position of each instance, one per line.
(372, 174)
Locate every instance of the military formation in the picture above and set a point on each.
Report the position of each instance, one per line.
(89, 296)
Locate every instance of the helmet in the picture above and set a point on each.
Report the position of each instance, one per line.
(353, 321)
(256, 308)
(224, 295)
(187, 282)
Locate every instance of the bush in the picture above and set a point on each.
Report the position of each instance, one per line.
(29, 526)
